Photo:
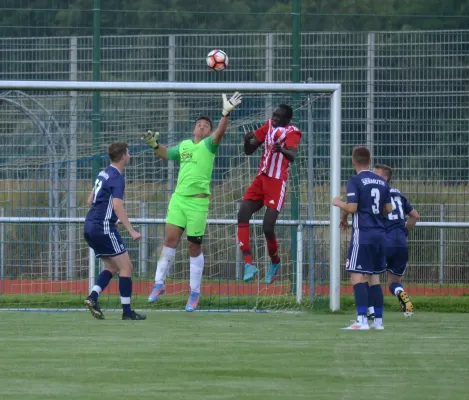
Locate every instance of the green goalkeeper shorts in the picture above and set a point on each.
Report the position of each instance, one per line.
(189, 213)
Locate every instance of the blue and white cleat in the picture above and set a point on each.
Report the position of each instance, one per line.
(193, 301)
(250, 272)
(158, 290)
(272, 273)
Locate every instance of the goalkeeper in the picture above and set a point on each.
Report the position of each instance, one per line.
(188, 208)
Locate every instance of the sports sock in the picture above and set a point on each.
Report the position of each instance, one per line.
(272, 248)
(370, 300)
(371, 309)
(361, 299)
(101, 283)
(165, 262)
(395, 288)
(244, 242)
(196, 271)
(125, 290)
(378, 300)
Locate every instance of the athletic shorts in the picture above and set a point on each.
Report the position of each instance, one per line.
(189, 213)
(367, 258)
(104, 239)
(396, 259)
(270, 190)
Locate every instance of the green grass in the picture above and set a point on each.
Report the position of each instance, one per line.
(231, 356)
(443, 303)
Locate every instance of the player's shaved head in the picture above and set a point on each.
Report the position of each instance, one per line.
(117, 150)
(288, 110)
(384, 170)
(361, 156)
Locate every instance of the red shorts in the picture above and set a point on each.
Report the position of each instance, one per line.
(270, 190)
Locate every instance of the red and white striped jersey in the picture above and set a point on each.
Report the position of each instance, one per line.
(273, 164)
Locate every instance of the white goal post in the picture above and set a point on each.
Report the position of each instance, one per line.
(335, 151)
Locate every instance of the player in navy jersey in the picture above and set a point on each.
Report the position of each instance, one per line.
(368, 199)
(397, 252)
(106, 202)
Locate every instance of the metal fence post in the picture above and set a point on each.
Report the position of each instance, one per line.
(370, 81)
(442, 245)
(143, 245)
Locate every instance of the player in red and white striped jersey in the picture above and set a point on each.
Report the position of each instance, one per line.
(280, 139)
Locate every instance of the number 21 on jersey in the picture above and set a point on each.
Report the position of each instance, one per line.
(396, 204)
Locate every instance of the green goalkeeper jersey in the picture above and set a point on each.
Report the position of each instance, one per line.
(196, 168)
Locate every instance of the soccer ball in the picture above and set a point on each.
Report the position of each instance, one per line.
(217, 60)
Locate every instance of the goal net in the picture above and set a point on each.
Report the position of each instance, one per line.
(54, 142)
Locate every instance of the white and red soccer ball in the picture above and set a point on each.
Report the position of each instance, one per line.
(217, 60)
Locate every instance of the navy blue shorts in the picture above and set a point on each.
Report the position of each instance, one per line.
(368, 258)
(105, 240)
(396, 259)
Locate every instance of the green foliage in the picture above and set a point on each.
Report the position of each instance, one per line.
(435, 303)
(63, 17)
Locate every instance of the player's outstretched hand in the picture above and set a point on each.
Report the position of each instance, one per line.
(135, 235)
(229, 105)
(151, 139)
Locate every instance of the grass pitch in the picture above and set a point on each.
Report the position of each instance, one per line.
(176, 355)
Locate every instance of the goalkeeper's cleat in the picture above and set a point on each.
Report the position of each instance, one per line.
(250, 272)
(133, 316)
(158, 290)
(272, 273)
(357, 326)
(93, 305)
(193, 301)
(377, 326)
(406, 306)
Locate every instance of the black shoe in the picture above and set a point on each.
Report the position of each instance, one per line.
(134, 316)
(406, 306)
(371, 317)
(93, 305)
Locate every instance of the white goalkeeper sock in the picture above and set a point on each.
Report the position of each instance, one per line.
(164, 263)
(196, 271)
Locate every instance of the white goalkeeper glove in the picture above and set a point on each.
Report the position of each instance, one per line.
(151, 139)
(229, 105)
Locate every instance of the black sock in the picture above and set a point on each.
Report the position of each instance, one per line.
(125, 289)
(101, 283)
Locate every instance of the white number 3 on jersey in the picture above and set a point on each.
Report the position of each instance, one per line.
(376, 196)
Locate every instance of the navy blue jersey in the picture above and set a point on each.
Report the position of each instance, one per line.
(371, 192)
(400, 208)
(109, 184)
(396, 235)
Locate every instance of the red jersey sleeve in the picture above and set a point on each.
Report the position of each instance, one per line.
(261, 132)
(293, 139)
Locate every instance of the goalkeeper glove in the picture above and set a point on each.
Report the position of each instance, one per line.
(229, 105)
(151, 139)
